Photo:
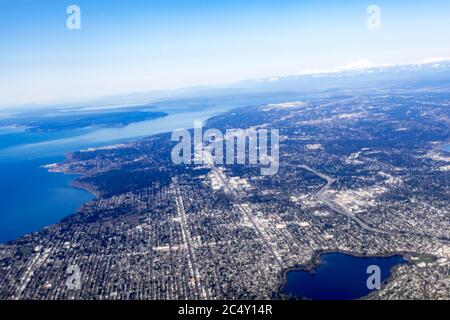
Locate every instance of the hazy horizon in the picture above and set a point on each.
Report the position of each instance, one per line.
(140, 46)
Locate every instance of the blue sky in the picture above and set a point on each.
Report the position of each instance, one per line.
(136, 45)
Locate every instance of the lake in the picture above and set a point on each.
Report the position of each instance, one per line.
(32, 198)
(338, 277)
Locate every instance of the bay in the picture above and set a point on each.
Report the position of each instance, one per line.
(31, 197)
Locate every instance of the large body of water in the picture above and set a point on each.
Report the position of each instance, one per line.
(338, 277)
(32, 198)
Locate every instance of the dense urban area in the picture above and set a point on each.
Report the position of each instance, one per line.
(365, 174)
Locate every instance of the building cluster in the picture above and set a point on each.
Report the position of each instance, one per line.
(349, 181)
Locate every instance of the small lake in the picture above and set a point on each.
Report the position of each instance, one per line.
(338, 277)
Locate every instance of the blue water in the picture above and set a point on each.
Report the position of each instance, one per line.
(32, 198)
(338, 277)
(447, 148)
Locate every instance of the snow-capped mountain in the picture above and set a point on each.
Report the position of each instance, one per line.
(432, 71)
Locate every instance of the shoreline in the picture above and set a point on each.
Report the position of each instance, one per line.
(76, 184)
(87, 187)
(56, 167)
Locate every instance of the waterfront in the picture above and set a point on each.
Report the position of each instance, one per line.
(32, 198)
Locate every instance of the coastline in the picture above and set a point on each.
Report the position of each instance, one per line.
(59, 168)
(87, 187)
(55, 168)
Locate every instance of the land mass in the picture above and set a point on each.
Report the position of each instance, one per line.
(362, 174)
(56, 123)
